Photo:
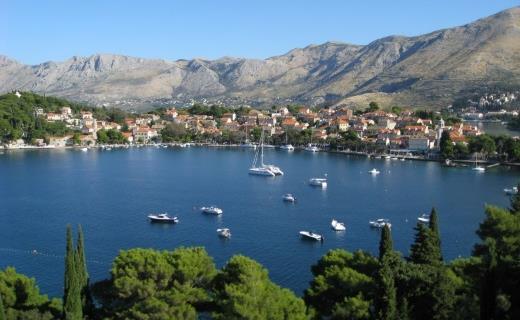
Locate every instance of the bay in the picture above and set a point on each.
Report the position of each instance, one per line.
(110, 193)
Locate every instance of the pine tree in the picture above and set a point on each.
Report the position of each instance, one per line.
(2, 310)
(72, 293)
(425, 249)
(435, 234)
(404, 310)
(515, 202)
(385, 244)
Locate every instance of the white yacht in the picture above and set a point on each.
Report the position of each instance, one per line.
(268, 170)
(311, 235)
(424, 218)
(374, 171)
(162, 217)
(224, 233)
(212, 210)
(318, 182)
(288, 147)
(311, 148)
(84, 149)
(380, 223)
(288, 197)
(511, 191)
(338, 226)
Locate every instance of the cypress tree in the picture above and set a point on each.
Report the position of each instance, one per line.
(72, 291)
(404, 310)
(385, 301)
(83, 278)
(515, 202)
(385, 244)
(435, 235)
(2, 310)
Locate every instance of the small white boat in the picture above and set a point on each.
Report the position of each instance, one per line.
(84, 149)
(387, 157)
(479, 169)
(511, 191)
(288, 147)
(224, 233)
(380, 223)
(212, 210)
(393, 158)
(288, 197)
(318, 182)
(374, 171)
(311, 148)
(248, 145)
(424, 218)
(162, 217)
(402, 159)
(338, 226)
(108, 148)
(311, 235)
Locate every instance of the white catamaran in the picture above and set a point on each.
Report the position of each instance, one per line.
(267, 170)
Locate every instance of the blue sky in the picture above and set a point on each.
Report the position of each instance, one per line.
(37, 31)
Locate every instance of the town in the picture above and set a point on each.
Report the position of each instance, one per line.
(400, 131)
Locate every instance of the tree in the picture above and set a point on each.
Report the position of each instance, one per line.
(82, 273)
(76, 138)
(244, 291)
(341, 275)
(385, 244)
(435, 235)
(372, 106)
(72, 306)
(352, 308)
(385, 297)
(20, 298)
(515, 202)
(424, 250)
(2, 310)
(446, 146)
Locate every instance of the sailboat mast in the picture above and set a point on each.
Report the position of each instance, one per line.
(262, 147)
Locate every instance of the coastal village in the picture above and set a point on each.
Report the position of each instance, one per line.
(402, 130)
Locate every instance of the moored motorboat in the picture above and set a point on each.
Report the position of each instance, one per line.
(511, 191)
(318, 182)
(274, 169)
(311, 235)
(162, 217)
(288, 197)
(224, 233)
(212, 210)
(288, 147)
(424, 218)
(311, 148)
(380, 223)
(338, 226)
(84, 149)
(374, 171)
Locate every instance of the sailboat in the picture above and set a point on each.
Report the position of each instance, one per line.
(247, 143)
(286, 146)
(262, 169)
(477, 167)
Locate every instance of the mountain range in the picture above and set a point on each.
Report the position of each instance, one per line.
(429, 70)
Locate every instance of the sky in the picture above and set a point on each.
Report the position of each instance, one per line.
(41, 30)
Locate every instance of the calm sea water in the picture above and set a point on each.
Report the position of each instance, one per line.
(110, 193)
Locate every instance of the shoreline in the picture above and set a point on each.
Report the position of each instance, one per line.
(238, 146)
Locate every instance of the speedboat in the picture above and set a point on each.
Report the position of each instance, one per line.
(311, 235)
(380, 223)
(318, 182)
(374, 171)
(212, 210)
(511, 191)
(274, 169)
(424, 218)
(288, 147)
(337, 226)
(162, 217)
(312, 148)
(288, 198)
(261, 171)
(224, 233)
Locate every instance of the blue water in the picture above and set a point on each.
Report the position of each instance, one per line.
(110, 193)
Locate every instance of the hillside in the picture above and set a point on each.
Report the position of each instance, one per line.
(427, 70)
